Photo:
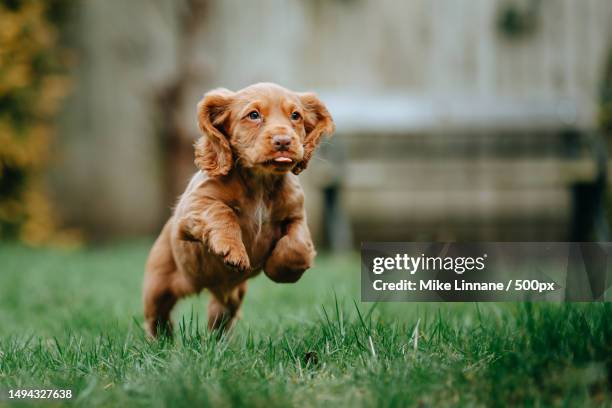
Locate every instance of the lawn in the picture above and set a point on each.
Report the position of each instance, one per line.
(72, 320)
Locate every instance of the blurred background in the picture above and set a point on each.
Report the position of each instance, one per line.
(456, 120)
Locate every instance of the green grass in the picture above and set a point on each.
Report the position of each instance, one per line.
(73, 320)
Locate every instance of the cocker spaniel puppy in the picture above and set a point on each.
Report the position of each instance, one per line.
(243, 212)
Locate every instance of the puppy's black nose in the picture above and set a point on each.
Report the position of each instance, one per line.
(281, 143)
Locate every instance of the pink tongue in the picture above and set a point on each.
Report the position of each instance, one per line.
(283, 160)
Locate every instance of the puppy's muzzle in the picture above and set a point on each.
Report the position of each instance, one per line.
(281, 143)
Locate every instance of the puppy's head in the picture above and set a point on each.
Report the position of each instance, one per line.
(263, 127)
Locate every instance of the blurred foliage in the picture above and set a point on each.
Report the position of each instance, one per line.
(33, 83)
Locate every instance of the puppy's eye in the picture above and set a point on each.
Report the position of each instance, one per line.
(295, 115)
(254, 115)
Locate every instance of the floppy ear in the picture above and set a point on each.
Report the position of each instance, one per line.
(317, 122)
(212, 151)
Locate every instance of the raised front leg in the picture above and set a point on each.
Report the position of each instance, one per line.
(292, 255)
(217, 227)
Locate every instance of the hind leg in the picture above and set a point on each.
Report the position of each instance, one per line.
(163, 286)
(224, 307)
(162, 290)
(159, 299)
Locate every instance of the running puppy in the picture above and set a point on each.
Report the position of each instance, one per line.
(243, 212)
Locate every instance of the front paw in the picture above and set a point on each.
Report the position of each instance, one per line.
(283, 274)
(232, 253)
(237, 260)
(289, 260)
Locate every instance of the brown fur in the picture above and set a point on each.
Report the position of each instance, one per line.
(244, 211)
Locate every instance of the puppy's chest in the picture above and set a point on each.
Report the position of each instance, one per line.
(258, 221)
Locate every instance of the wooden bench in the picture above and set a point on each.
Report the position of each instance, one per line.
(410, 169)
